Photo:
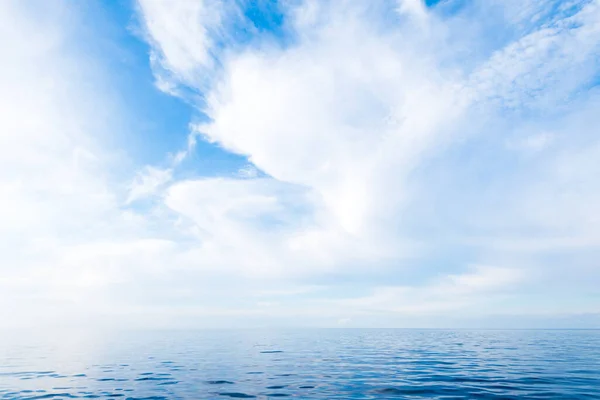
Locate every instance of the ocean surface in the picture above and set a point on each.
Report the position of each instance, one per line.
(306, 364)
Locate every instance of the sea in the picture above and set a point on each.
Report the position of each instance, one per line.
(304, 364)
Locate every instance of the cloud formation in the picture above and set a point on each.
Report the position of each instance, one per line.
(404, 161)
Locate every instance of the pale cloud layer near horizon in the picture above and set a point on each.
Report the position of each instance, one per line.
(406, 166)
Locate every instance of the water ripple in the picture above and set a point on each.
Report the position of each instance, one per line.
(319, 364)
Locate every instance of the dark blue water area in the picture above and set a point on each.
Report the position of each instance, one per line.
(307, 364)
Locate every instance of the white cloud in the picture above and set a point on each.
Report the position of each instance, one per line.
(53, 180)
(182, 33)
(257, 227)
(383, 147)
(360, 116)
(543, 68)
(148, 182)
(340, 118)
(532, 143)
(414, 8)
(475, 289)
(50, 170)
(249, 171)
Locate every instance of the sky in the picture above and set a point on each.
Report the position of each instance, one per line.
(300, 163)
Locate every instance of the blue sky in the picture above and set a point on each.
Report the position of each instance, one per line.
(304, 163)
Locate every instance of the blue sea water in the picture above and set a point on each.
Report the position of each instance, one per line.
(306, 364)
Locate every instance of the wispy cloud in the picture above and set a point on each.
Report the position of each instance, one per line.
(402, 160)
(148, 182)
(472, 290)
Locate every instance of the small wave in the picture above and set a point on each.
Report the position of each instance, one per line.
(238, 395)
